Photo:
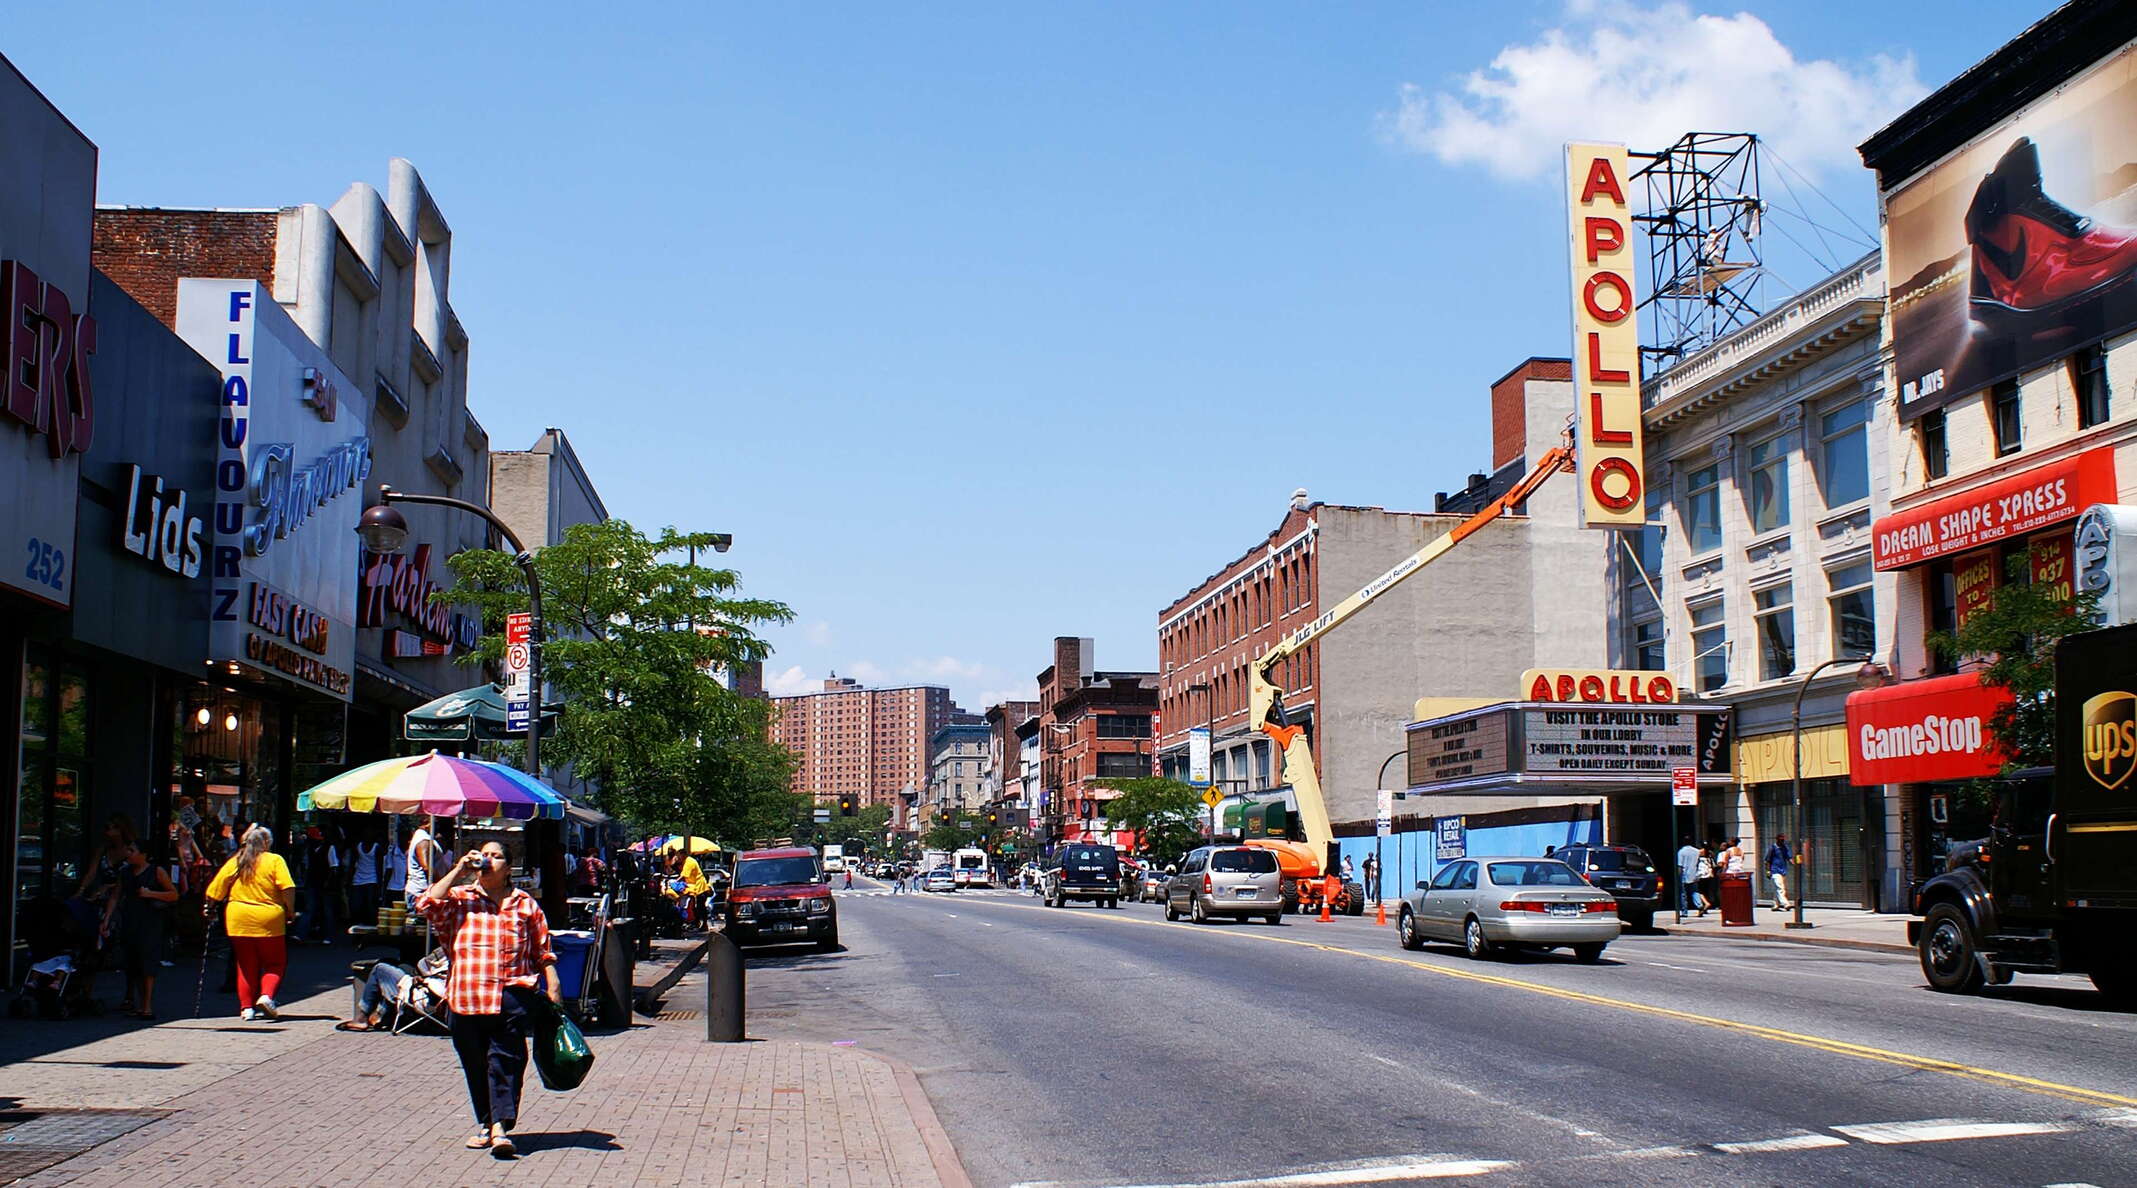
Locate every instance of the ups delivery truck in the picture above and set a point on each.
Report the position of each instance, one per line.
(2053, 889)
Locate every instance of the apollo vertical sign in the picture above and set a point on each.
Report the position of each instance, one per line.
(1606, 339)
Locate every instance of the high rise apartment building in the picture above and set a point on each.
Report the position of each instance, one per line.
(871, 744)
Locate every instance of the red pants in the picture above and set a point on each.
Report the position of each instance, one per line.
(260, 962)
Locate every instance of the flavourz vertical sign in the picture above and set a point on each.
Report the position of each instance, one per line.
(289, 474)
(1606, 339)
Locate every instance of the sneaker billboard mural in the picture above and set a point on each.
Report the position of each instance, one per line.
(2022, 246)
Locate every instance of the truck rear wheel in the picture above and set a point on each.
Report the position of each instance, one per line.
(1948, 951)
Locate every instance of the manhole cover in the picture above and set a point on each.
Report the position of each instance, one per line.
(676, 1016)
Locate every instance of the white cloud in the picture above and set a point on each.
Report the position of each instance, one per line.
(1646, 76)
(944, 668)
(817, 632)
(866, 671)
(790, 681)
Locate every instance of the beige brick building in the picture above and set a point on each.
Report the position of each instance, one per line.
(868, 743)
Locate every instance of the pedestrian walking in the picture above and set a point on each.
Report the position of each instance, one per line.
(1688, 864)
(497, 943)
(134, 919)
(1733, 860)
(1778, 858)
(1709, 881)
(262, 901)
(1349, 873)
(1372, 877)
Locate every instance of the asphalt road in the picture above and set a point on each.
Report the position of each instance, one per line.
(1087, 1046)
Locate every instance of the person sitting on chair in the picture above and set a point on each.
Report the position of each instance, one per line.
(383, 985)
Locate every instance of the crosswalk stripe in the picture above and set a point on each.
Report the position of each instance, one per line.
(1941, 1130)
(1793, 1142)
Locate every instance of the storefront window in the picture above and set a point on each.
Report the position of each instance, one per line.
(1844, 468)
(1854, 610)
(1702, 510)
(1768, 471)
(1942, 590)
(51, 838)
(228, 752)
(1710, 646)
(1776, 615)
(1835, 840)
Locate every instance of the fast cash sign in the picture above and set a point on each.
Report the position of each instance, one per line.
(289, 476)
(1606, 339)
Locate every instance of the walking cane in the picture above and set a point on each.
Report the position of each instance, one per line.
(207, 939)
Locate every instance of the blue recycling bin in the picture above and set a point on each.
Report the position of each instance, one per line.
(573, 948)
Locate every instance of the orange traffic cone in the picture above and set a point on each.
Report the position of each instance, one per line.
(1327, 897)
(1380, 913)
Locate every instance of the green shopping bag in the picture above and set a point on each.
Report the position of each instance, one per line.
(561, 1056)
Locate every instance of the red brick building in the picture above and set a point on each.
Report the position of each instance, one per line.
(868, 743)
(1093, 725)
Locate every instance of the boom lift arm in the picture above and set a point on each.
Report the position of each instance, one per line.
(1265, 700)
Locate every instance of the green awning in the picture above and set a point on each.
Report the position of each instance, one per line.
(471, 715)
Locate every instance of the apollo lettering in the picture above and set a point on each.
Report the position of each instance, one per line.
(1932, 735)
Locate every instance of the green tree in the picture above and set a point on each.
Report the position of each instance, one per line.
(861, 833)
(1166, 814)
(634, 630)
(949, 835)
(2017, 634)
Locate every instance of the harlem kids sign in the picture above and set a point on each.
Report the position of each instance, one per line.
(288, 475)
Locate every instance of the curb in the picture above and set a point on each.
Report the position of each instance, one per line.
(1828, 942)
(941, 1152)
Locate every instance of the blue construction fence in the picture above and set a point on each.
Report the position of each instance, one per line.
(1412, 852)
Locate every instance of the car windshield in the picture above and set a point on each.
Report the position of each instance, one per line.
(1243, 862)
(1629, 858)
(1542, 872)
(971, 861)
(774, 872)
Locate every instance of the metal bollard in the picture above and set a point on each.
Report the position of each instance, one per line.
(723, 990)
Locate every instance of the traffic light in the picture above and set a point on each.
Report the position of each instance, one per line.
(846, 806)
(992, 818)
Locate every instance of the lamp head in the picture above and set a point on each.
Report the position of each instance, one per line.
(722, 541)
(383, 528)
(1871, 675)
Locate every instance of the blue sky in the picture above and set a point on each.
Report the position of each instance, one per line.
(979, 324)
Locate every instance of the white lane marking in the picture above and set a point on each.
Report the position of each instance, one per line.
(1383, 1060)
(1942, 1130)
(2117, 1118)
(2071, 1184)
(1414, 1167)
(1685, 968)
(1793, 1142)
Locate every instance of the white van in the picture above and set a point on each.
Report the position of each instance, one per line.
(834, 859)
(969, 867)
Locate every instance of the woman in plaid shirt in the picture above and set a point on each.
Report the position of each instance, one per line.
(499, 943)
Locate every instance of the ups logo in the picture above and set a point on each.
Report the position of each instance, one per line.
(2110, 738)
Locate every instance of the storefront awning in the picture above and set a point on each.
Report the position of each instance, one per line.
(1918, 732)
(2006, 509)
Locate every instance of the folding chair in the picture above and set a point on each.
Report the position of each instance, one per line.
(421, 999)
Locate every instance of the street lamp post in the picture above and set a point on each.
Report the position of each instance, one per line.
(1380, 871)
(1869, 676)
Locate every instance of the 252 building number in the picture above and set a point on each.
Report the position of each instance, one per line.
(48, 565)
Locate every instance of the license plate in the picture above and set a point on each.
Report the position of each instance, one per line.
(1624, 884)
(787, 926)
(1245, 892)
(1565, 909)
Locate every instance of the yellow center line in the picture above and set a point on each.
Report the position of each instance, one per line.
(1991, 1076)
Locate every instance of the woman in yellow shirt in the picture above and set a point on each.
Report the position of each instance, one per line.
(263, 900)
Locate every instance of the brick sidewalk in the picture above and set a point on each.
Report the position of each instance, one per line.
(303, 1104)
(1833, 927)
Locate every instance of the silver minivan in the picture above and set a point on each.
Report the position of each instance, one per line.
(1237, 881)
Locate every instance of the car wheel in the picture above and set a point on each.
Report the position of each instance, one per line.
(1406, 931)
(1113, 903)
(1275, 919)
(829, 944)
(1948, 952)
(1643, 921)
(1171, 913)
(1473, 941)
(1588, 954)
(1197, 912)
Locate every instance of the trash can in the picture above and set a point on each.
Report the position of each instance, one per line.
(1736, 901)
(572, 949)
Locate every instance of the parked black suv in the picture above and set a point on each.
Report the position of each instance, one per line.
(1624, 871)
(1082, 870)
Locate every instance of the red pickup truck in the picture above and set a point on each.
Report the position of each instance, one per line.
(781, 897)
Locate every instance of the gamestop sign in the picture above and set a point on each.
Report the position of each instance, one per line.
(1921, 731)
(1606, 339)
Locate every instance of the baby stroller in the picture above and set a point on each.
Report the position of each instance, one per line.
(65, 954)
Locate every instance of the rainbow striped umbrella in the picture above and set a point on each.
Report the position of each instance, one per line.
(446, 785)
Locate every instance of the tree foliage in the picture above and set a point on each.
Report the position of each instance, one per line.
(1167, 814)
(634, 630)
(2017, 634)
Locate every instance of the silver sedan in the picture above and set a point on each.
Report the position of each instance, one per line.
(1532, 903)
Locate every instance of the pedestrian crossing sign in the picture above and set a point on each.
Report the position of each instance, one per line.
(1212, 798)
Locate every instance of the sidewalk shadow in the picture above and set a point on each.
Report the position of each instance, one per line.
(791, 957)
(2069, 998)
(565, 1140)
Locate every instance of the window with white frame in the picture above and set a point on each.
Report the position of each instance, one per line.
(1648, 654)
(1702, 510)
(1774, 612)
(1766, 492)
(1710, 646)
(1844, 453)
(1854, 610)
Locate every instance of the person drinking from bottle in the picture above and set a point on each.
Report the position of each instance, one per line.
(498, 944)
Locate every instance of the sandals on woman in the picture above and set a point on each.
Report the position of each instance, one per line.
(353, 1025)
(478, 1140)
